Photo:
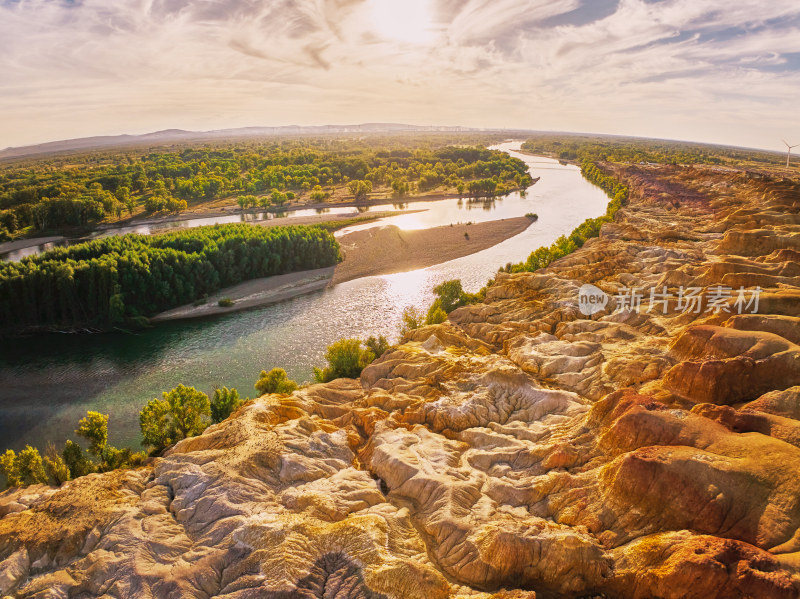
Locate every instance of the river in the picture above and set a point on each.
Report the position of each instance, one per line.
(47, 383)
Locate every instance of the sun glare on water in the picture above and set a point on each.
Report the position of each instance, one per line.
(402, 20)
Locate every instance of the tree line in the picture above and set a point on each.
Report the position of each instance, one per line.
(566, 244)
(122, 279)
(635, 150)
(49, 195)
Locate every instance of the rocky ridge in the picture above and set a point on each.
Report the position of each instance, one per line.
(521, 449)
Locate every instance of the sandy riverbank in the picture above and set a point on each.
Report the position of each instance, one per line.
(375, 251)
(387, 250)
(255, 292)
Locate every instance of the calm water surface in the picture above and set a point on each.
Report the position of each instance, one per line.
(48, 383)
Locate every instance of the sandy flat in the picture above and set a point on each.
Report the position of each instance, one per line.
(255, 292)
(375, 251)
(388, 249)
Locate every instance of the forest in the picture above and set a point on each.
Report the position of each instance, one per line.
(119, 281)
(54, 193)
(579, 148)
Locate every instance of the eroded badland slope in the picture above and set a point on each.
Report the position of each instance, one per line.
(519, 450)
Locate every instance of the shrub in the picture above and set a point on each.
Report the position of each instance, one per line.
(360, 189)
(412, 319)
(76, 460)
(435, 314)
(94, 428)
(183, 412)
(28, 467)
(378, 346)
(346, 359)
(55, 466)
(318, 195)
(24, 468)
(225, 302)
(226, 402)
(275, 381)
(114, 458)
(10, 469)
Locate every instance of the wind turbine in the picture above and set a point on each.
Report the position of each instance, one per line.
(789, 151)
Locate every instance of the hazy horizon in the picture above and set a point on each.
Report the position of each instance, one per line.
(671, 69)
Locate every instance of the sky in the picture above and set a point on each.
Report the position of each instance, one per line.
(704, 70)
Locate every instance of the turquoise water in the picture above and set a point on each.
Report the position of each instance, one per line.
(48, 383)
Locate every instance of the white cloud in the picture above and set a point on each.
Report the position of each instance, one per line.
(675, 68)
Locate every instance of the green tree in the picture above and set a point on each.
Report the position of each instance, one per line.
(55, 466)
(116, 306)
(114, 458)
(76, 460)
(435, 315)
(182, 412)
(346, 359)
(400, 187)
(10, 468)
(360, 189)
(275, 381)
(119, 278)
(226, 402)
(94, 428)
(318, 195)
(377, 345)
(190, 410)
(451, 295)
(412, 319)
(28, 467)
(278, 197)
(175, 205)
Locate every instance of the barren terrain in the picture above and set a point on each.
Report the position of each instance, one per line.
(521, 449)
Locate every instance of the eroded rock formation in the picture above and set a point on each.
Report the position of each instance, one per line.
(519, 450)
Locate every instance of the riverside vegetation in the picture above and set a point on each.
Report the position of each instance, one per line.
(119, 281)
(79, 190)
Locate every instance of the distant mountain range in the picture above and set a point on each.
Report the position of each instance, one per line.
(178, 135)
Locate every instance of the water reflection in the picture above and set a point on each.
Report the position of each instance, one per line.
(17, 255)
